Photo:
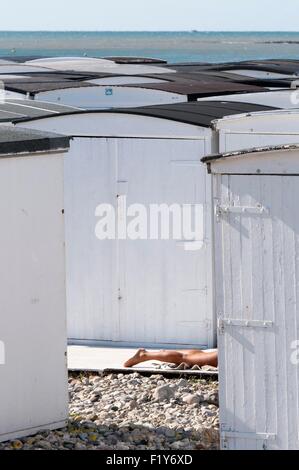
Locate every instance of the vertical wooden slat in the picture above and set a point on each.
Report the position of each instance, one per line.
(269, 358)
(290, 225)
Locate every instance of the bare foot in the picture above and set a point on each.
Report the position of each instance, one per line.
(138, 357)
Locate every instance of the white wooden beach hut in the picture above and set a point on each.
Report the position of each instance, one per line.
(143, 292)
(93, 96)
(256, 239)
(164, 91)
(33, 374)
(6, 62)
(255, 72)
(270, 69)
(15, 109)
(117, 79)
(11, 68)
(87, 64)
(284, 99)
(61, 91)
(257, 129)
(185, 76)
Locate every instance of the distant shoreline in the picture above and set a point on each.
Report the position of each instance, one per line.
(172, 46)
(195, 31)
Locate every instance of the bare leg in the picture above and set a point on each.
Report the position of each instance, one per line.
(190, 357)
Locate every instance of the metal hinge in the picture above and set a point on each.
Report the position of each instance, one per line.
(227, 433)
(221, 210)
(248, 435)
(227, 322)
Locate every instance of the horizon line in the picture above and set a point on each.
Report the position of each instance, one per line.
(145, 31)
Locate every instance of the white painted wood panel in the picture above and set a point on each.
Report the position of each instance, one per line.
(256, 281)
(165, 289)
(143, 291)
(33, 392)
(90, 179)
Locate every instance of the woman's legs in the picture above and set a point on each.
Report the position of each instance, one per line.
(190, 357)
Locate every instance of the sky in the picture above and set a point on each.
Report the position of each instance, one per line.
(150, 15)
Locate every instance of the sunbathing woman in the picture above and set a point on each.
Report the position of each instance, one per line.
(190, 357)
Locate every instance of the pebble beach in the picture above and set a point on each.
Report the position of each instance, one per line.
(133, 412)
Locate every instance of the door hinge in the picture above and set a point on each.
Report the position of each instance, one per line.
(221, 210)
(227, 433)
(227, 322)
(248, 435)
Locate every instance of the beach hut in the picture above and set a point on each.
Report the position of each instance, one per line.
(57, 90)
(117, 79)
(5, 62)
(268, 68)
(256, 239)
(152, 291)
(189, 77)
(284, 99)
(257, 129)
(20, 58)
(93, 96)
(11, 110)
(33, 373)
(19, 68)
(178, 90)
(271, 69)
(87, 64)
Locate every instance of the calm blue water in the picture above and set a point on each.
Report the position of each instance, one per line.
(172, 46)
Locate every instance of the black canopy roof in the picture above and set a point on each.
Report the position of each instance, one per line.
(116, 59)
(199, 86)
(22, 58)
(14, 141)
(11, 110)
(45, 83)
(284, 66)
(200, 113)
(220, 75)
(135, 60)
(288, 67)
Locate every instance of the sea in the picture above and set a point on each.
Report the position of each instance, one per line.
(180, 46)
